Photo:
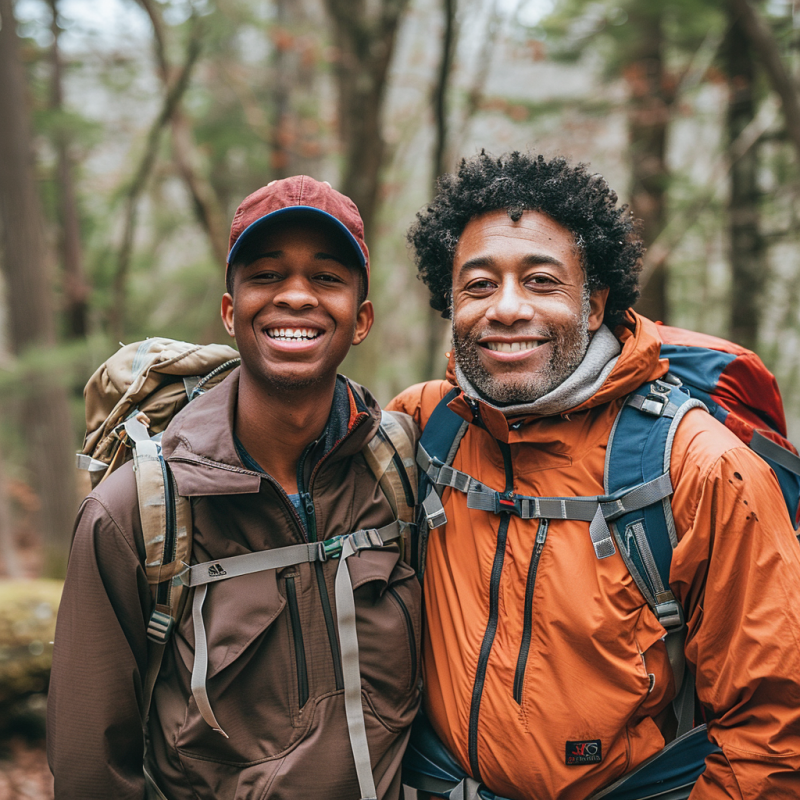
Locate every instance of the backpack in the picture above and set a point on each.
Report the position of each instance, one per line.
(130, 400)
(634, 516)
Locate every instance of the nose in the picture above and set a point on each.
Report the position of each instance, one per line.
(510, 304)
(296, 293)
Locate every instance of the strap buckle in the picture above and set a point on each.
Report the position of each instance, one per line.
(670, 615)
(160, 627)
(655, 404)
(506, 502)
(331, 548)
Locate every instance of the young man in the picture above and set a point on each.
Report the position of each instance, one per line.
(547, 674)
(271, 458)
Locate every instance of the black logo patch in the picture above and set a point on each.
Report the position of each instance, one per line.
(586, 752)
(215, 570)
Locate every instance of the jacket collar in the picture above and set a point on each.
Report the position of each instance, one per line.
(638, 362)
(199, 442)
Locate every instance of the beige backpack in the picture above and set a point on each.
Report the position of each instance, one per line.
(131, 399)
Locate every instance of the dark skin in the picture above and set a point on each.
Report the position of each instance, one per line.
(295, 312)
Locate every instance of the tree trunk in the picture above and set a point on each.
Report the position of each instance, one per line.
(648, 119)
(76, 289)
(436, 326)
(46, 420)
(747, 253)
(365, 39)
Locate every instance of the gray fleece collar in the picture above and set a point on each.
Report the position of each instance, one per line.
(600, 358)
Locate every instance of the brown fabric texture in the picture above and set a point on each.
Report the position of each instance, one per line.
(287, 726)
(597, 667)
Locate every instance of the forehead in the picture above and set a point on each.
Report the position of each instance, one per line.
(499, 241)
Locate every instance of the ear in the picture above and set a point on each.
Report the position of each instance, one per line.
(597, 308)
(364, 319)
(227, 313)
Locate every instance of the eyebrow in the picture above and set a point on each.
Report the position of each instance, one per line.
(487, 262)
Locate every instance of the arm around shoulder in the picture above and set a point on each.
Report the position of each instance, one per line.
(95, 736)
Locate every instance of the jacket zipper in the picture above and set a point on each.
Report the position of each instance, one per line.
(311, 535)
(170, 533)
(410, 627)
(491, 625)
(522, 661)
(299, 646)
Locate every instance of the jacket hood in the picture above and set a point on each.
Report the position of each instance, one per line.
(638, 362)
(200, 448)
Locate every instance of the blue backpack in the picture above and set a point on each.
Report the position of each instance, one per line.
(633, 516)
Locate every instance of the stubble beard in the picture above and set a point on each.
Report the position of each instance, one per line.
(569, 345)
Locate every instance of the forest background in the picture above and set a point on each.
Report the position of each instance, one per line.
(131, 129)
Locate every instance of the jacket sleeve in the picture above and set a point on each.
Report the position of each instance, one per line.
(736, 571)
(95, 740)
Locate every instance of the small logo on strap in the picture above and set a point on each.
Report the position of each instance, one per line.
(586, 752)
(215, 570)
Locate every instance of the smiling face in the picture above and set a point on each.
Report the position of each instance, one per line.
(522, 317)
(295, 309)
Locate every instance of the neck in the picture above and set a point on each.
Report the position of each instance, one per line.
(275, 425)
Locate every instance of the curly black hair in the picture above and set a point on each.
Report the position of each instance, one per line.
(605, 234)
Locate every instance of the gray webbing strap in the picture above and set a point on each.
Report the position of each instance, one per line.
(656, 404)
(200, 576)
(766, 448)
(200, 669)
(601, 535)
(466, 790)
(351, 672)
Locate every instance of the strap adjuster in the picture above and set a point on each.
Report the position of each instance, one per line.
(510, 505)
(331, 548)
(160, 626)
(670, 615)
(655, 404)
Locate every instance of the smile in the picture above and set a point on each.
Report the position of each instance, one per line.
(511, 347)
(293, 334)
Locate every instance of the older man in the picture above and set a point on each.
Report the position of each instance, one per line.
(547, 673)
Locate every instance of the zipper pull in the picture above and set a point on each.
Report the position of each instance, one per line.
(311, 515)
(541, 534)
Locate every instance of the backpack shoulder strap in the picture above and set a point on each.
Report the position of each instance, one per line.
(166, 519)
(390, 457)
(437, 447)
(639, 450)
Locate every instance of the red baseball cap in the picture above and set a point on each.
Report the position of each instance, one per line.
(295, 197)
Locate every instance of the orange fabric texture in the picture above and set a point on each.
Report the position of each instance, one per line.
(597, 667)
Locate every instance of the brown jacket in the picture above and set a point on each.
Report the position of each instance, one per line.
(597, 665)
(285, 719)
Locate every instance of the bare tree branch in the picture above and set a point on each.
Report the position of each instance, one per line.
(769, 54)
(168, 109)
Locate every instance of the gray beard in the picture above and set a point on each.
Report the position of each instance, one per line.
(568, 350)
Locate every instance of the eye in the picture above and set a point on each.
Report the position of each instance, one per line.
(540, 280)
(329, 277)
(480, 286)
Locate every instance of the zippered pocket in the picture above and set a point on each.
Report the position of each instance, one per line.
(525, 645)
(412, 639)
(299, 645)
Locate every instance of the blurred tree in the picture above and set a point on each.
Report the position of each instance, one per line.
(364, 34)
(650, 98)
(747, 247)
(76, 288)
(176, 87)
(437, 327)
(44, 412)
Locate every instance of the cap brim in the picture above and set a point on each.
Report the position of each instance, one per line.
(284, 214)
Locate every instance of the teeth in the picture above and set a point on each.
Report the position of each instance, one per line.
(292, 334)
(511, 347)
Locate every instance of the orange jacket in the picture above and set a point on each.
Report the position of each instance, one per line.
(597, 666)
